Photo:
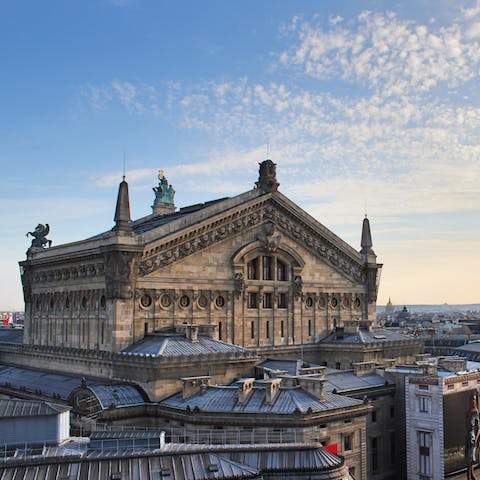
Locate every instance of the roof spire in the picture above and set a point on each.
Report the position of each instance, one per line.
(366, 242)
(122, 210)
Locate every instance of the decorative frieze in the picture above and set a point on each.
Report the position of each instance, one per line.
(277, 217)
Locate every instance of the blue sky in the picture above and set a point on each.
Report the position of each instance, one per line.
(363, 105)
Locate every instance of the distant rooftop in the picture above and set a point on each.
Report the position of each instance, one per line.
(346, 380)
(367, 336)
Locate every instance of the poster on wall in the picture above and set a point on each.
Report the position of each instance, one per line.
(461, 432)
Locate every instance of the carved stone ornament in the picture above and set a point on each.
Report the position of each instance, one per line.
(267, 178)
(239, 284)
(372, 284)
(297, 286)
(282, 220)
(119, 277)
(269, 239)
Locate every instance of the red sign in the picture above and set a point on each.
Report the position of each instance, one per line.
(332, 448)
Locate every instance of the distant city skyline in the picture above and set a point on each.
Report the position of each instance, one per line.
(365, 107)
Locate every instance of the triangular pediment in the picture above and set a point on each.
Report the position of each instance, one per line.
(193, 235)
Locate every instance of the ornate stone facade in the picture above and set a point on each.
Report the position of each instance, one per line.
(256, 268)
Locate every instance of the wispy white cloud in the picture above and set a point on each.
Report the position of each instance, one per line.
(388, 55)
(400, 145)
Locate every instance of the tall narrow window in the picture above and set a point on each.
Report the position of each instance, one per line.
(103, 334)
(374, 453)
(252, 269)
(252, 300)
(424, 445)
(309, 328)
(267, 329)
(268, 300)
(282, 329)
(145, 328)
(252, 329)
(268, 268)
(424, 404)
(347, 443)
(392, 448)
(281, 271)
(282, 300)
(83, 332)
(220, 333)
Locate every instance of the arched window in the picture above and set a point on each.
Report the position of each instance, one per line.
(270, 266)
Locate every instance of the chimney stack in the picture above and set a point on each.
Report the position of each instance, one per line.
(363, 368)
(245, 386)
(312, 384)
(272, 387)
(193, 385)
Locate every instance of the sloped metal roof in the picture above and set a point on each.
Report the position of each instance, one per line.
(181, 462)
(32, 380)
(288, 400)
(11, 408)
(192, 466)
(173, 345)
(367, 337)
(150, 223)
(288, 459)
(289, 366)
(347, 380)
(118, 395)
(60, 385)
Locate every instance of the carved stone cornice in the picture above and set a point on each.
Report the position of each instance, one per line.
(198, 239)
(277, 216)
(68, 272)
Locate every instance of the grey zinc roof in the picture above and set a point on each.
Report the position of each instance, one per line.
(143, 225)
(366, 337)
(11, 335)
(193, 466)
(62, 384)
(172, 345)
(288, 459)
(10, 408)
(31, 380)
(118, 395)
(347, 380)
(223, 399)
(290, 366)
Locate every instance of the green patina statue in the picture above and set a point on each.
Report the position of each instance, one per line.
(164, 193)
